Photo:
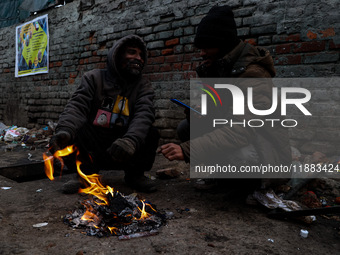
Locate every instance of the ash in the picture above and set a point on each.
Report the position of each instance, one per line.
(122, 215)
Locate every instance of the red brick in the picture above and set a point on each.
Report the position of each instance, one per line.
(333, 46)
(288, 60)
(293, 38)
(80, 68)
(311, 35)
(283, 48)
(327, 32)
(94, 53)
(189, 75)
(59, 63)
(177, 66)
(71, 81)
(167, 51)
(73, 75)
(152, 68)
(172, 42)
(192, 57)
(154, 53)
(94, 59)
(309, 46)
(156, 60)
(51, 65)
(81, 61)
(165, 68)
(54, 82)
(186, 67)
(251, 41)
(174, 58)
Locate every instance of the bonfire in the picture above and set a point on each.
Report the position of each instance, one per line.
(107, 211)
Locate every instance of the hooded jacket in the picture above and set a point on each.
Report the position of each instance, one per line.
(271, 143)
(110, 102)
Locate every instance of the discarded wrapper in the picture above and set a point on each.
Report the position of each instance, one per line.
(39, 225)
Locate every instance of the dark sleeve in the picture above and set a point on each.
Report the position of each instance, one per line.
(77, 110)
(143, 116)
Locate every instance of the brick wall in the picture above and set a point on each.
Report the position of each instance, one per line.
(303, 37)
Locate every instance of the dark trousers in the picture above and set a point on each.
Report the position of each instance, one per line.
(93, 144)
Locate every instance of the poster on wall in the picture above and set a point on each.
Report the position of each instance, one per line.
(32, 47)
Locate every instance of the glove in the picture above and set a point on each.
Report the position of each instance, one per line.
(59, 141)
(122, 149)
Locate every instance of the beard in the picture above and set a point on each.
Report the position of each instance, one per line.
(133, 69)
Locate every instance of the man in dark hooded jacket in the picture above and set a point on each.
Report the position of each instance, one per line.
(225, 55)
(109, 118)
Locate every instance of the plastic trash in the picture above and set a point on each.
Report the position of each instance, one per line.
(15, 134)
(304, 233)
(269, 199)
(39, 225)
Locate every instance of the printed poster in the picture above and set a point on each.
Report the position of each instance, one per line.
(32, 47)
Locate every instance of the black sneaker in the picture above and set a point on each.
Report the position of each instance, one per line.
(140, 183)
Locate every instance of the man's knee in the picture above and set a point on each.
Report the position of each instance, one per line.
(183, 130)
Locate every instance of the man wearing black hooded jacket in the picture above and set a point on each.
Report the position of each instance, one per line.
(109, 118)
(226, 56)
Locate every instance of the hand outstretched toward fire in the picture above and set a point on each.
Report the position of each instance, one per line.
(172, 151)
(59, 141)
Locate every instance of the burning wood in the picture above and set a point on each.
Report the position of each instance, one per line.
(108, 212)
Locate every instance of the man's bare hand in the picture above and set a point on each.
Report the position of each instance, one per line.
(172, 151)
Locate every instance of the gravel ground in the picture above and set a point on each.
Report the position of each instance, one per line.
(204, 222)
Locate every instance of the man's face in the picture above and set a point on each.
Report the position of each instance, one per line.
(210, 55)
(132, 62)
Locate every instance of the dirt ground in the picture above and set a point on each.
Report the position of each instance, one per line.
(205, 222)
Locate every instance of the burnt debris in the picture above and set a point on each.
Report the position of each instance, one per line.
(122, 216)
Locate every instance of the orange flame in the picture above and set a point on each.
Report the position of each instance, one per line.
(144, 214)
(48, 160)
(95, 187)
(113, 230)
(89, 216)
